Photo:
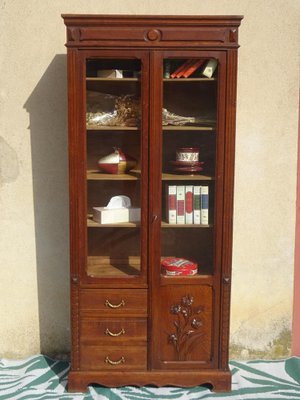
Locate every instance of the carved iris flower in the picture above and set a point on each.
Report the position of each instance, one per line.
(186, 324)
(184, 312)
(175, 309)
(196, 323)
(187, 300)
(172, 338)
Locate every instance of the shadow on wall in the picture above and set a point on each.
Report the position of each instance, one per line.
(47, 106)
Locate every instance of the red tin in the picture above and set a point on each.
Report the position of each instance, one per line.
(174, 266)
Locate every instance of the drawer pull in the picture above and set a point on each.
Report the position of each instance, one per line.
(108, 304)
(108, 332)
(107, 360)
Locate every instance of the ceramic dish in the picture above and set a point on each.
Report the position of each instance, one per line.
(187, 163)
(188, 169)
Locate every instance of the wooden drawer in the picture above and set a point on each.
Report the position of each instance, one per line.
(113, 302)
(113, 358)
(113, 331)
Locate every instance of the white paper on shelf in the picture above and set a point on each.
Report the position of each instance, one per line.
(119, 202)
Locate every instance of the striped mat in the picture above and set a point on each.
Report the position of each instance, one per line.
(42, 378)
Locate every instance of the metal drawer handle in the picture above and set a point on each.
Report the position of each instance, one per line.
(108, 304)
(107, 360)
(108, 332)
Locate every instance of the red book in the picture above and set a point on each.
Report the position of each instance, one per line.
(179, 69)
(192, 68)
(189, 204)
(186, 66)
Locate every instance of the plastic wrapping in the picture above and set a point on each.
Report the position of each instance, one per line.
(169, 118)
(104, 109)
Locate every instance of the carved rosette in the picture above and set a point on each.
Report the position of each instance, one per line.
(154, 35)
(187, 327)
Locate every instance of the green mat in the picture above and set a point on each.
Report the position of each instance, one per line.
(42, 378)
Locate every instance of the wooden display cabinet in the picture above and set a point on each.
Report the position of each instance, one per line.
(131, 323)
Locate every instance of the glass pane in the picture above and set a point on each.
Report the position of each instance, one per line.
(113, 167)
(189, 152)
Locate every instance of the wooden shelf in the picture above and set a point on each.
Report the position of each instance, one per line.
(92, 224)
(189, 79)
(136, 129)
(96, 175)
(187, 280)
(111, 128)
(181, 177)
(98, 79)
(104, 266)
(188, 226)
(188, 128)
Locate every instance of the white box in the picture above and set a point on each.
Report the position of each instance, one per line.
(104, 215)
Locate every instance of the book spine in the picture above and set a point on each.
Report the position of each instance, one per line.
(172, 213)
(196, 201)
(179, 69)
(193, 68)
(204, 205)
(210, 68)
(180, 204)
(189, 204)
(185, 67)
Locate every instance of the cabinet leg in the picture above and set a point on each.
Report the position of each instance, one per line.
(223, 385)
(76, 383)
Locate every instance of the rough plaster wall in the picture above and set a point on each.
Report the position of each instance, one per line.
(34, 294)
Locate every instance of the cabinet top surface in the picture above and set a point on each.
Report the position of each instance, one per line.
(150, 31)
(167, 19)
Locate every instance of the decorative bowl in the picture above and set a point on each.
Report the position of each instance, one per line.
(187, 154)
(117, 162)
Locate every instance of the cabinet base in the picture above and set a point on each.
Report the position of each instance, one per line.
(218, 380)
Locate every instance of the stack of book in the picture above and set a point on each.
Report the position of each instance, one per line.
(190, 66)
(187, 204)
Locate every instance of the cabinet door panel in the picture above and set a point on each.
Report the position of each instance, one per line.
(189, 137)
(185, 331)
(186, 206)
(116, 173)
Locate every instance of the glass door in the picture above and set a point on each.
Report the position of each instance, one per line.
(116, 166)
(189, 176)
(189, 119)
